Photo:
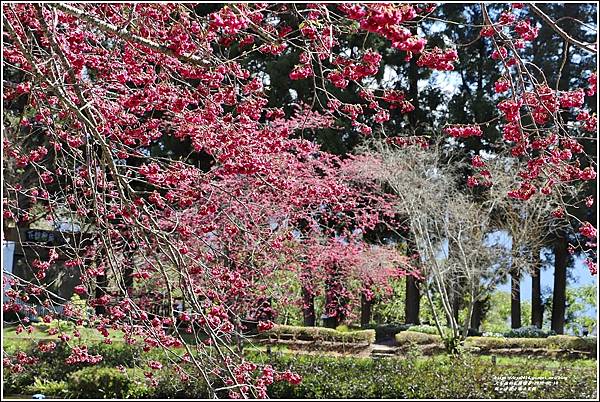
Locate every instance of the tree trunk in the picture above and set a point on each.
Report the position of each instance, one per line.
(515, 299)
(476, 316)
(128, 268)
(365, 310)
(413, 301)
(561, 260)
(480, 70)
(101, 285)
(308, 309)
(537, 310)
(456, 296)
(330, 319)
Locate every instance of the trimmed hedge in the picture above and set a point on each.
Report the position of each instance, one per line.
(430, 378)
(528, 332)
(488, 343)
(555, 342)
(552, 342)
(587, 344)
(427, 329)
(418, 338)
(328, 377)
(107, 382)
(56, 389)
(348, 377)
(319, 334)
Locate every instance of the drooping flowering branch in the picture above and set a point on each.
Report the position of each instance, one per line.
(538, 122)
(147, 126)
(104, 90)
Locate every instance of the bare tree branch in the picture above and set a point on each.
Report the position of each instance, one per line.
(552, 24)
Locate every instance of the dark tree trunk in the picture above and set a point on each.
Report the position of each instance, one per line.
(335, 299)
(561, 261)
(412, 305)
(128, 269)
(515, 298)
(308, 309)
(413, 78)
(537, 310)
(476, 316)
(24, 203)
(365, 311)
(455, 305)
(101, 285)
(480, 70)
(330, 320)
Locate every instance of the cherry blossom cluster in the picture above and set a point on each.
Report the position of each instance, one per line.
(463, 131)
(17, 363)
(409, 141)
(79, 354)
(438, 59)
(351, 71)
(386, 20)
(552, 158)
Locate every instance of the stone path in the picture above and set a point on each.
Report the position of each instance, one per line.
(383, 350)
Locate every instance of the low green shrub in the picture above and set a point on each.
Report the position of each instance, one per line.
(15, 383)
(52, 368)
(51, 364)
(426, 329)
(56, 389)
(587, 344)
(170, 386)
(488, 343)
(320, 334)
(116, 353)
(584, 344)
(528, 332)
(467, 376)
(107, 382)
(419, 338)
(429, 378)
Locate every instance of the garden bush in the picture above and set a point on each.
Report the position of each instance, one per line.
(56, 389)
(488, 343)
(434, 377)
(418, 338)
(323, 377)
(170, 386)
(116, 353)
(585, 344)
(566, 342)
(51, 364)
(52, 367)
(320, 334)
(426, 329)
(15, 383)
(107, 382)
(528, 332)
